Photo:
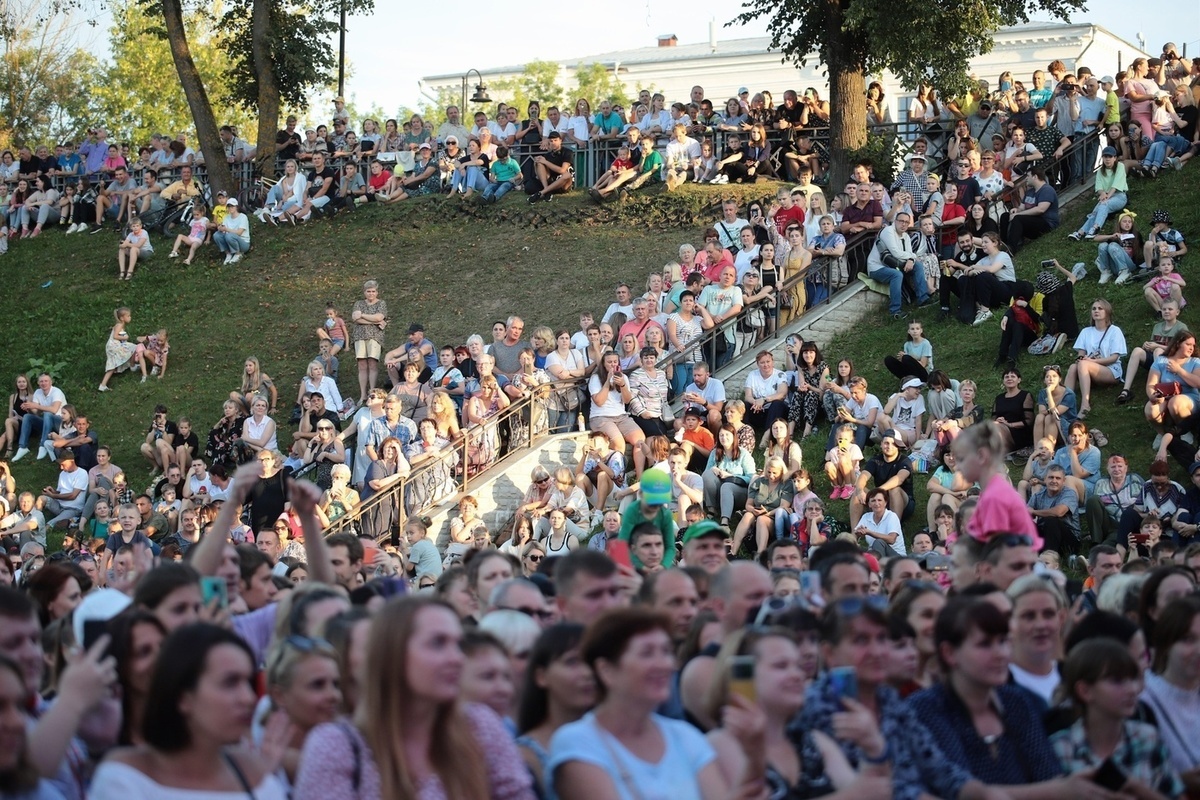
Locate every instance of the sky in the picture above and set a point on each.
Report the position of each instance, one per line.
(387, 57)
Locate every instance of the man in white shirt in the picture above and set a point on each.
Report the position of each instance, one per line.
(66, 500)
(452, 126)
(623, 304)
(579, 340)
(554, 121)
(683, 152)
(41, 412)
(708, 393)
(730, 225)
(26, 523)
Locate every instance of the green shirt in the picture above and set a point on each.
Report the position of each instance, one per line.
(664, 521)
(652, 161)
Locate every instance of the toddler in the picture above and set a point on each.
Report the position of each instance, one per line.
(842, 463)
(197, 232)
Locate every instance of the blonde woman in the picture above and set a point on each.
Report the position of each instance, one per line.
(255, 382)
(339, 499)
(315, 380)
(542, 339)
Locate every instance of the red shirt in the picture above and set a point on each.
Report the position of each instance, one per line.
(785, 217)
(952, 211)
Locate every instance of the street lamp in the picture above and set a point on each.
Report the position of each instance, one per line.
(480, 96)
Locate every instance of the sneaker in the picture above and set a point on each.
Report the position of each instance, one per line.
(77, 227)
(1124, 277)
(1176, 162)
(943, 314)
(1059, 341)
(1105, 276)
(899, 315)
(274, 220)
(535, 197)
(228, 258)
(102, 388)
(836, 494)
(1079, 270)
(260, 215)
(42, 453)
(172, 255)
(21, 453)
(235, 258)
(1090, 236)
(547, 198)
(154, 370)
(847, 491)
(95, 229)
(983, 316)
(1076, 236)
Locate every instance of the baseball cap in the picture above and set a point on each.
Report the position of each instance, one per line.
(1195, 466)
(915, 156)
(694, 411)
(1154, 62)
(231, 202)
(911, 383)
(893, 434)
(703, 528)
(1108, 151)
(743, 90)
(656, 487)
(1107, 79)
(424, 146)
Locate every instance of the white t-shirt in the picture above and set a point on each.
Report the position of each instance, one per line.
(613, 407)
(69, 482)
(862, 412)
(1041, 685)
(579, 341)
(730, 232)
(614, 308)
(674, 777)
(1109, 343)
(574, 360)
(762, 388)
(713, 391)
(55, 395)
(907, 411)
(116, 781)
(889, 524)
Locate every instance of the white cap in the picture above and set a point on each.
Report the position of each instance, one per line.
(102, 604)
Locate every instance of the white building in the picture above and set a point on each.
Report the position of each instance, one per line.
(724, 67)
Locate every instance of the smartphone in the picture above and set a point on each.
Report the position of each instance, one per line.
(810, 583)
(1110, 776)
(741, 677)
(618, 551)
(1048, 263)
(844, 681)
(1141, 538)
(93, 629)
(211, 587)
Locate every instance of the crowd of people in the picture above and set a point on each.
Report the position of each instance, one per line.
(679, 611)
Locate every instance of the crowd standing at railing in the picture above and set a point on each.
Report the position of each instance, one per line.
(568, 653)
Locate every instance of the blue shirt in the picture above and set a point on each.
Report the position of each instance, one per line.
(1022, 754)
(918, 764)
(1089, 459)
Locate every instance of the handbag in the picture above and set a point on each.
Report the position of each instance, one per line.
(1167, 389)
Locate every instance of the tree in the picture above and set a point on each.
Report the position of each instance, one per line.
(140, 92)
(596, 83)
(538, 81)
(281, 50)
(916, 40)
(45, 82)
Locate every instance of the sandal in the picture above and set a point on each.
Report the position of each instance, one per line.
(1124, 397)
(1083, 413)
(1099, 438)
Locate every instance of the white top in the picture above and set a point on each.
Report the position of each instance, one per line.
(674, 777)
(255, 431)
(1109, 343)
(1041, 685)
(614, 407)
(906, 412)
(762, 388)
(889, 524)
(328, 390)
(70, 481)
(1178, 714)
(614, 308)
(55, 395)
(116, 781)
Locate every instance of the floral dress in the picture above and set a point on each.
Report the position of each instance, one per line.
(805, 406)
(118, 353)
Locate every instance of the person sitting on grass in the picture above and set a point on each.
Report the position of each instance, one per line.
(554, 171)
(649, 171)
(903, 412)
(1163, 240)
(842, 463)
(1173, 388)
(1033, 479)
(1118, 252)
(232, 236)
(1166, 285)
(136, 245)
(915, 359)
(609, 182)
(1080, 460)
(197, 232)
(889, 471)
(504, 176)
(1099, 348)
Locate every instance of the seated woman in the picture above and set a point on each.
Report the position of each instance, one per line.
(941, 400)
(806, 381)
(315, 380)
(799, 762)
(989, 283)
(765, 395)
(258, 431)
(879, 528)
(982, 723)
(1173, 388)
(323, 451)
(610, 392)
(768, 506)
(1099, 348)
(779, 444)
(727, 475)
(286, 195)
(1080, 460)
(947, 487)
(1055, 406)
(255, 382)
(1111, 190)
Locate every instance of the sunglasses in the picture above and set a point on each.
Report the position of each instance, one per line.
(324, 427)
(536, 613)
(852, 606)
(535, 559)
(1054, 367)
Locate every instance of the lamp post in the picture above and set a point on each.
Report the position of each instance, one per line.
(480, 96)
(342, 52)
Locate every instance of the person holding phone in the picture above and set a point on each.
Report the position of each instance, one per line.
(1101, 682)
(804, 763)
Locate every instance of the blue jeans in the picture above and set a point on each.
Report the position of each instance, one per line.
(498, 189)
(894, 279)
(472, 178)
(1095, 220)
(1175, 142)
(681, 378)
(45, 424)
(1113, 258)
(1155, 155)
(561, 421)
(230, 243)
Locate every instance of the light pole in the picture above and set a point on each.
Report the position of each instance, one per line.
(480, 96)
(342, 52)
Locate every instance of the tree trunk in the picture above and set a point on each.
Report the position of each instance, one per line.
(268, 87)
(209, 139)
(847, 88)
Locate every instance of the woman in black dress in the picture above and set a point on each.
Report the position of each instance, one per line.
(1013, 413)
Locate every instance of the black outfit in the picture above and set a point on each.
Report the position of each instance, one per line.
(1017, 333)
(1012, 409)
(951, 284)
(267, 500)
(882, 471)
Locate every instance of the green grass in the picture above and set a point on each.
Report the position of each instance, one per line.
(454, 267)
(964, 351)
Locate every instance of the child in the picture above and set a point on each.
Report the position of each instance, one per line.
(1163, 240)
(197, 232)
(1166, 285)
(168, 505)
(842, 463)
(904, 411)
(447, 376)
(802, 488)
(505, 175)
(220, 209)
(915, 359)
(120, 354)
(1160, 336)
(1033, 480)
(66, 208)
(333, 330)
(1051, 559)
(155, 351)
(120, 494)
(1119, 251)
(1149, 533)
(706, 170)
(606, 184)
(136, 245)
(328, 361)
(97, 526)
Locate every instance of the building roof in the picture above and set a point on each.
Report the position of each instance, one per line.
(759, 45)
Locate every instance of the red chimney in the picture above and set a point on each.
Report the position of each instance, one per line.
(667, 40)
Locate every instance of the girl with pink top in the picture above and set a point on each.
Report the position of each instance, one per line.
(979, 454)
